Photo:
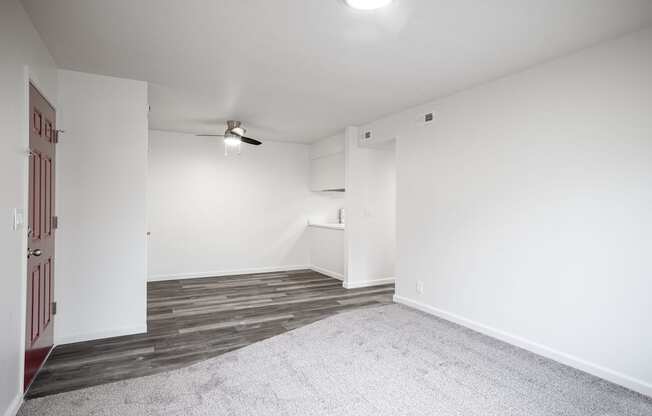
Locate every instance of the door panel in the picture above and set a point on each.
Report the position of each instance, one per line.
(40, 263)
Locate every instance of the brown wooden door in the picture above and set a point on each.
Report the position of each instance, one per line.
(40, 241)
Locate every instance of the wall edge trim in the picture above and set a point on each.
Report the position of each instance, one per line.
(14, 406)
(118, 332)
(329, 273)
(221, 273)
(608, 374)
(368, 283)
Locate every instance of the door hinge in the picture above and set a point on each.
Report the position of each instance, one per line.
(56, 135)
(55, 222)
(54, 308)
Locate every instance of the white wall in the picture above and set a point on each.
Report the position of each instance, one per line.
(526, 209)
(23, 56)
(101, 261)
(329, 148)
(327, 251)
(370, 212)
(212, 214)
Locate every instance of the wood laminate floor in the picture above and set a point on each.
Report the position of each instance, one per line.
(192, 320)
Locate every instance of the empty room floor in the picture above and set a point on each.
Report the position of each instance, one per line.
(197, 319)
(384, 361)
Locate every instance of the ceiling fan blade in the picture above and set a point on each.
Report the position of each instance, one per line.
(250, 141)
(209, 135)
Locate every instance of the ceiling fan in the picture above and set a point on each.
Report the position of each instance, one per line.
(234, 135)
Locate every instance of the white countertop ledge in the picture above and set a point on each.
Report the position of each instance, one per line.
(332, 226)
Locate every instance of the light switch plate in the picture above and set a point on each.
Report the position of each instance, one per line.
(19, 219)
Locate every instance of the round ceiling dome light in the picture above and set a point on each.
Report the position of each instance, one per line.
(367, 4)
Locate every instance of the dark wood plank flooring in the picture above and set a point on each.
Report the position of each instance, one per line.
(193, 320)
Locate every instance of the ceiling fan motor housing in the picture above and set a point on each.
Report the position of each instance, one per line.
(234, 127)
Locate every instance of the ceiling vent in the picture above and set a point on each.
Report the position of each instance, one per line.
(424, 119)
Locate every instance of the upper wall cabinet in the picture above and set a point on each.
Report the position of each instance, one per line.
(327, 173)
(327, 164)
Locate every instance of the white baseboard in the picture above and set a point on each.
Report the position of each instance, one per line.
(327, 272)
(572, 361)
(197, 275)
(14, 406)
(367, 283)
(101, 334)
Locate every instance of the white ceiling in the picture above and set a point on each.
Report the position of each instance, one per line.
(300, 70)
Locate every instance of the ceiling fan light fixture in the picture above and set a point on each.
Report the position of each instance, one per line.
(367, 4)
(233, 137)
(232, 140)
(232, 144)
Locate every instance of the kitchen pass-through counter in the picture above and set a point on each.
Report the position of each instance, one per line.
(327, 248)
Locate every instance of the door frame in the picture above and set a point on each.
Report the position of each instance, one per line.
(27, 80)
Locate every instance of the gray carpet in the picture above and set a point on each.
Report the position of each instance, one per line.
(389, 360)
